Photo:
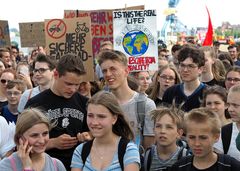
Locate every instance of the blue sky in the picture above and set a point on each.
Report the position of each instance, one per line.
(191, 12)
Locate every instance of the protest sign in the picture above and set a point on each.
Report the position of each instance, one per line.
(73, 36)
(101, 24)
(135, 34)
(4, 34)
(32, 34)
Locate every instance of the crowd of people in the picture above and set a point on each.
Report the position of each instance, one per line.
(184, 116)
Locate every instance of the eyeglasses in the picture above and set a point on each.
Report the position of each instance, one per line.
(3, 81)
(233, 79)
(40, 70)
(165, 77)
(188, 67)
(14, 93)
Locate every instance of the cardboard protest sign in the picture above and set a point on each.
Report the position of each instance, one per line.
(73, 36)
(32, 34)
(135, 34)
(101, 24)
(4, 34)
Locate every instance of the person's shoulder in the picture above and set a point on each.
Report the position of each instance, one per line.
(227, 161)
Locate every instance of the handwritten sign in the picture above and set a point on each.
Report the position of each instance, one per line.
(73, 36)
(101, 24)
(135, 34)
(4, 34)
(32, 34)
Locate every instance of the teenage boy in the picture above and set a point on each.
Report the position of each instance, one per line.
(115, 72)
(202, 128)
(14, 91)
(168, 129)
(64, 104)
(229, 133)
(43, 73)
(189, 93)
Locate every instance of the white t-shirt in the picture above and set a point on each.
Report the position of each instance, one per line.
(25, 97)
(232, 151)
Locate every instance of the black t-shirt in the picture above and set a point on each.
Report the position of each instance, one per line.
(70, 115)
(224, 163)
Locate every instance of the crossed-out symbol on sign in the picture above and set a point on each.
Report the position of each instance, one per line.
(56, 28)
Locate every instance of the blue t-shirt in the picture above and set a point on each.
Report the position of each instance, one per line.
(8, 115)
(131, 156)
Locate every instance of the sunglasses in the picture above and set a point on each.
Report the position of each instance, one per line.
(3, 81)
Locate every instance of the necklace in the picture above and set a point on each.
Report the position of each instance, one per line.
(101, 156)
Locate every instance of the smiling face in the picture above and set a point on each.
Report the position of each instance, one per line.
(43, 78)
(100, 120)
(166, 131)
(38, 137)
(114, 73)
(201, 138)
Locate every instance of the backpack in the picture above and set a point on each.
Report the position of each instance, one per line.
(121, 150)
(149, 155)
(226, 135)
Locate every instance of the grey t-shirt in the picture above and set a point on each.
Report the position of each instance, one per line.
(5, 164)
(129, 109)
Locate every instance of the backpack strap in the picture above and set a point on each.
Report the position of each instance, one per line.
(86, 150)
(226, 135)
(12, 161)
(54, 163)
(140, 108)
(225, 160)
(148, 158)
(122, 146)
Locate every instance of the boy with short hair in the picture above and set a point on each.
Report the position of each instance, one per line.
(189, 93)
(202, 128)
(14, 91)
(168, 130)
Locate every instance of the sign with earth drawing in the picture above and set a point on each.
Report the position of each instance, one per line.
(135, 34)
(73, 36)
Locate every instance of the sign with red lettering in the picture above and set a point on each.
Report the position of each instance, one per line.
(4, 34)
(135, 34)
(32, 34)
(75, 38)
(101, 24)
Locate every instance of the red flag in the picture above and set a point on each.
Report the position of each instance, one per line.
(209, 36)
